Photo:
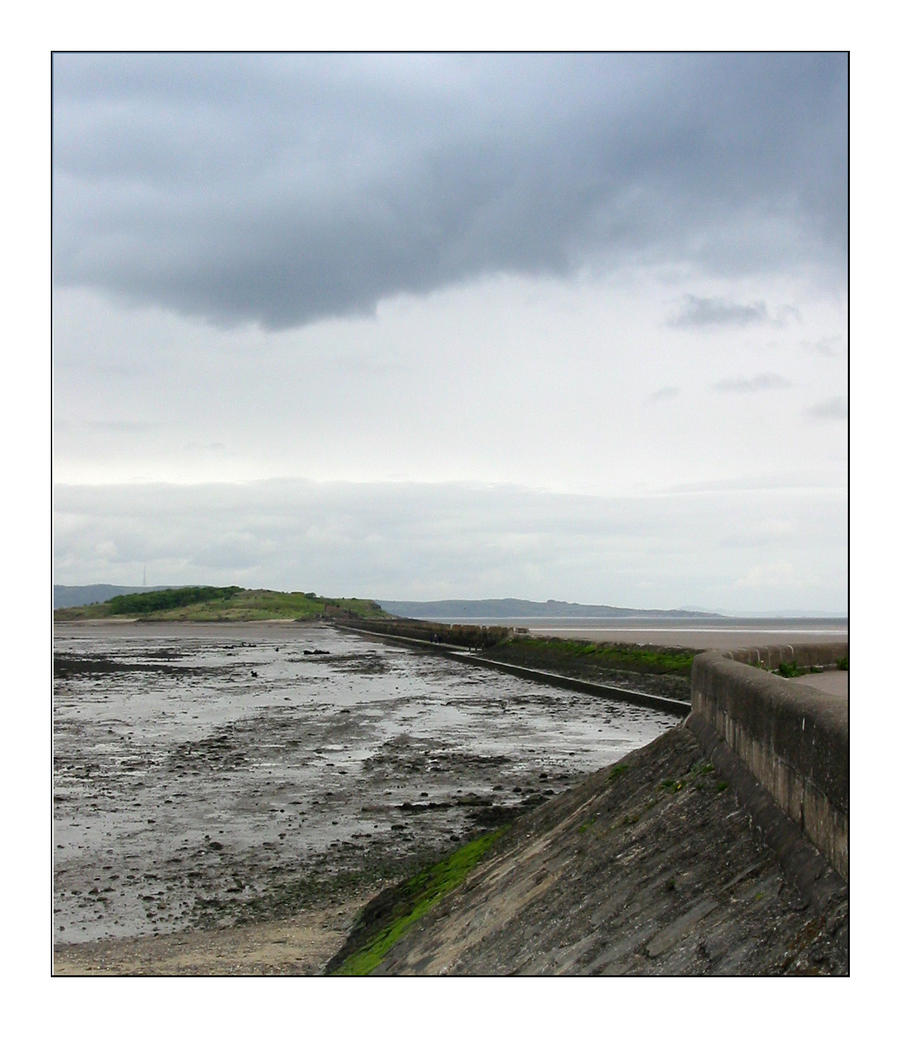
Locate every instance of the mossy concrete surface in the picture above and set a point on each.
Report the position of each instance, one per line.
(389, 917)
(648, 867)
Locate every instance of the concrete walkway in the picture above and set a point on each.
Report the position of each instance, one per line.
(835, 682)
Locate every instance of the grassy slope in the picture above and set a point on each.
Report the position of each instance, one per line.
(557, 653)
(595, 661)
(229, 604)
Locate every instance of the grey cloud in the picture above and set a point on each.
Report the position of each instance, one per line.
(785, 315)
(830, 347)
(761, 535)
(121, 427)
(778, 481)
(766, 381)
(234, 552)
(281, 189)
(831, 409)
(664, 393)
(206, 448)
(698, 312)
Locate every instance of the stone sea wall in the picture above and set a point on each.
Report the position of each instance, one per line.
(791, 738)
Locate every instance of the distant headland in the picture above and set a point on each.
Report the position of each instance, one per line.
(498, 608)
(205, 604)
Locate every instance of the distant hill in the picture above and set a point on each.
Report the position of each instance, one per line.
(509, 607)
(72, 596)
(791, 613)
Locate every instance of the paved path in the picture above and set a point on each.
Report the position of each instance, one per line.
(836, 682)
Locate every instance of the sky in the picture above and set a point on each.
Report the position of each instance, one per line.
(436, 325)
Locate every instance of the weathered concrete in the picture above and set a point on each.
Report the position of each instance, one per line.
(721, 848)
(833, 681)
(467, 656)
(793, 739)
(649, 867)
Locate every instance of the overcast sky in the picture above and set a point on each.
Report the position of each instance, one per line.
(426, 326)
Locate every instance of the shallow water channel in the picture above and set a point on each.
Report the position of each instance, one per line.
(206, 774)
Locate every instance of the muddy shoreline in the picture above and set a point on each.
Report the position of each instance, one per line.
(230, 779)
(297, 946)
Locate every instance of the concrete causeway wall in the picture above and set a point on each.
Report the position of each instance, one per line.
(793, 739)
(784, 746)
(469, 656)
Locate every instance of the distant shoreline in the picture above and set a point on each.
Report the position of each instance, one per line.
(726, 633)
(718, 636)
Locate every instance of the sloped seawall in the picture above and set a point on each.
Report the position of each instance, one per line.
(719, 849)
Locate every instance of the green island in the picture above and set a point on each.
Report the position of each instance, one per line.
(206, 604)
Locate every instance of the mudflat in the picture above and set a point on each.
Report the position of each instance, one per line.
(226, 797)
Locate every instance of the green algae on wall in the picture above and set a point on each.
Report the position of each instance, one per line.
(413, 898)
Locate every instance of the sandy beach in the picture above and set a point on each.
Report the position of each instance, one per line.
(296, 946)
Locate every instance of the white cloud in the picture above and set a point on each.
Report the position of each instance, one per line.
(776, 575)
(766, 381)
(407, 541)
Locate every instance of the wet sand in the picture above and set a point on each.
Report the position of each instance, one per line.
(699, 635)
(297, 946)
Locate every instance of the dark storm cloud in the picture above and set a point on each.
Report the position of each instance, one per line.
(286, 188)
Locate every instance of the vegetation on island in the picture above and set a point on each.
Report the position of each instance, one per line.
(205, 604)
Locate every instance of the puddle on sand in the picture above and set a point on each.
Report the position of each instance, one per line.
(199, 770)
